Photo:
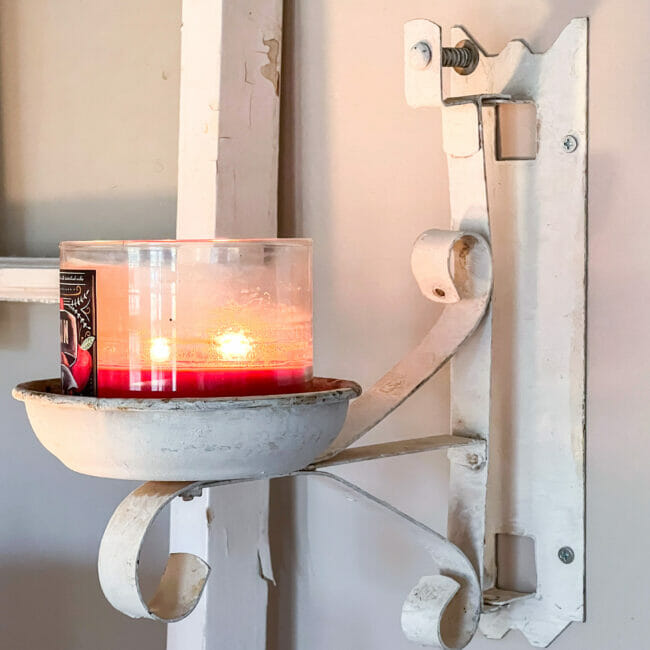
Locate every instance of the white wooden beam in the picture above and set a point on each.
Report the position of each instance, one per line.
(29, 279)
(227, 187)
(229, 118)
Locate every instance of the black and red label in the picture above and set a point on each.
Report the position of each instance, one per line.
(78, 333)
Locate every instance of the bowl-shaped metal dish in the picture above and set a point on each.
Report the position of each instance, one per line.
(195, 439)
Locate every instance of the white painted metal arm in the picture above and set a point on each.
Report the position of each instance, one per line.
(451, 267)
(443, 609)
(184, 577)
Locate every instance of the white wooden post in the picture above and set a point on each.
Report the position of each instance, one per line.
(29, 279)
(227, 187)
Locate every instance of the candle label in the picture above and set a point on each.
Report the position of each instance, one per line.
(78, 331)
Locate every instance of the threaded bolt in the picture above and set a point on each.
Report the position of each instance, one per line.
(463, 58)
(457, 57)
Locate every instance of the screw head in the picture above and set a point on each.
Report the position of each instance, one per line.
(566, 555)
(570, 143)
(475, 461)
(190, 494)
(420, 56)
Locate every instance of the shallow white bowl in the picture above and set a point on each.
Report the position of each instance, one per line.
(195, 439)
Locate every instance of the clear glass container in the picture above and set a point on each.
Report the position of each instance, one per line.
(186, 318)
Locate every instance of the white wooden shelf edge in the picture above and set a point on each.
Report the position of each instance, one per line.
(29, 279)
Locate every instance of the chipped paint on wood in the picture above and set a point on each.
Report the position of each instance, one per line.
(229, 112)
(271, 70)
(227, 188)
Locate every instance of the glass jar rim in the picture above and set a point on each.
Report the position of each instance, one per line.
(174, 243)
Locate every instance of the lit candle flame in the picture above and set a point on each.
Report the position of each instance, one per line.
(159, 350)
(233, 346)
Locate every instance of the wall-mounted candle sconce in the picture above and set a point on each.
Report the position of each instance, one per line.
(511, 276)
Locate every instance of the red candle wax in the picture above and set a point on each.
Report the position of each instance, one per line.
(195, 382)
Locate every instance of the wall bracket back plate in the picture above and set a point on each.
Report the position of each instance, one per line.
(529, 357)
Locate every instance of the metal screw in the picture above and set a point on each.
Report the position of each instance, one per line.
(420, 56)
(566, 555)
(190, 494)
(474, 461)
(570, 143)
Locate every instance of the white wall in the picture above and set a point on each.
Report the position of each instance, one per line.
(363, 174)
(89, 120)
(89, 123)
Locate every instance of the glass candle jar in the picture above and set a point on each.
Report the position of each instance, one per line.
(186, 318)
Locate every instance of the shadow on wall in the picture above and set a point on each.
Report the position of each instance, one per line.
(88, 122)
(36, 228)
(16, 335)
(61, 606)
(286, 507)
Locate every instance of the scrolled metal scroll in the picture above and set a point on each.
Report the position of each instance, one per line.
(443, 609)
(185, 575)
(453, 268)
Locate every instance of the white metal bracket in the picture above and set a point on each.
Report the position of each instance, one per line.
(516, 444)
(451, 267)
(531, 401)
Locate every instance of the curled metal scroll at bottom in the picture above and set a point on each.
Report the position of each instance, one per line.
(443, 610)
(423, 610)
(446, 616)
(185, 575)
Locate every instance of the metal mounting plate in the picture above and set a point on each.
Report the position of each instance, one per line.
(536, 481)
(534, 418)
